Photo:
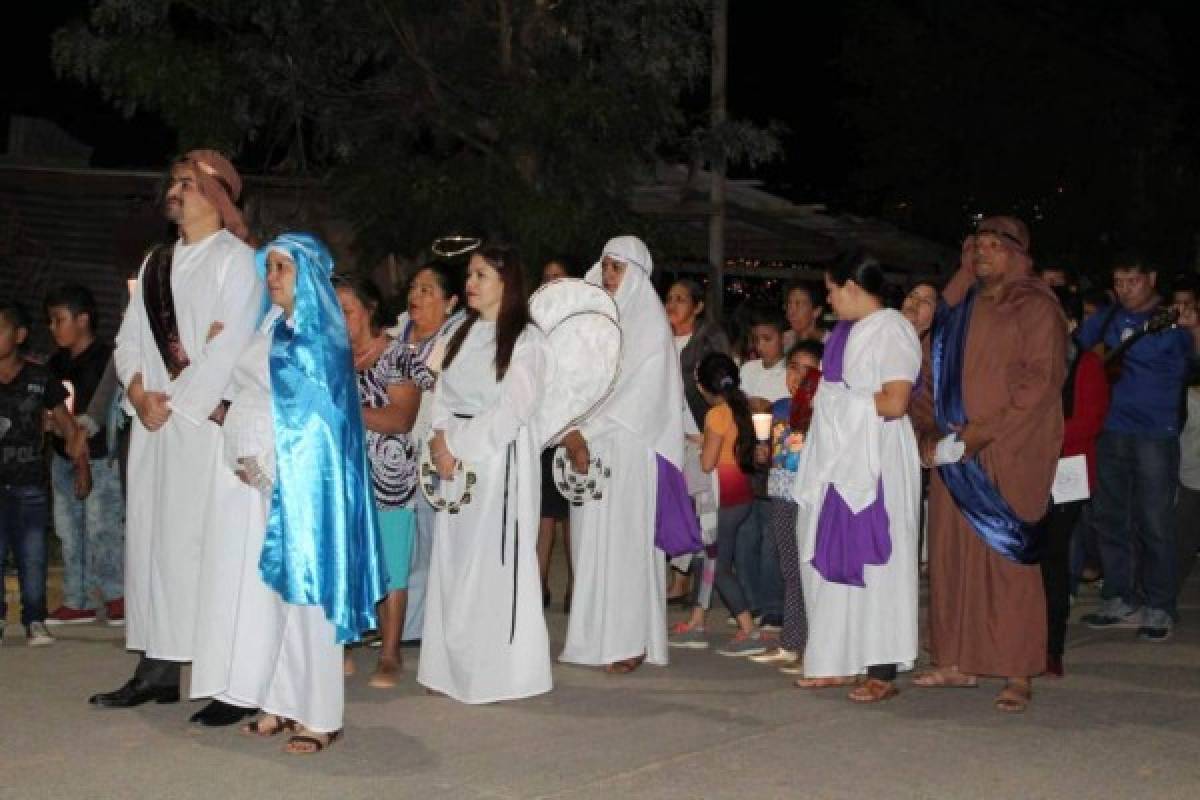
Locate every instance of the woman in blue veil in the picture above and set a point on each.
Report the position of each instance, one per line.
(311, 569)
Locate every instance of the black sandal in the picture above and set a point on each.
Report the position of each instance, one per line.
(316, 743)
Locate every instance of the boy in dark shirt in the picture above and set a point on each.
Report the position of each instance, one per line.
(27, 392)
(91, 529)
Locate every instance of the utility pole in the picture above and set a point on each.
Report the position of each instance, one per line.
(716, 192)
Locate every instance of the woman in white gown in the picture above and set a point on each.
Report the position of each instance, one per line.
(858, 487)
(484, 637)
(298, 546)
(618, 611)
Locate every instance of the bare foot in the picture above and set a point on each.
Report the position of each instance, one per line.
(385, 674)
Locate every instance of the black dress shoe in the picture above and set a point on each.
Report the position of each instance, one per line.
(217, 714)
(134, 693)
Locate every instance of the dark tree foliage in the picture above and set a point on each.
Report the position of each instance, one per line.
(530, 118)
(1078, 117)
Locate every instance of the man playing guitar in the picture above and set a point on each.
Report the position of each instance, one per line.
(1138, 452)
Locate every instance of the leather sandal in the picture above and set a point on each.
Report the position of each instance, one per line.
(873, 690)
(625, 666)
(1014, 698)
(940, 678)
(310, 739)
(834, 682)
(256, 727)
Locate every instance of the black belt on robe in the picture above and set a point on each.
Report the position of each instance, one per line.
(509, 457)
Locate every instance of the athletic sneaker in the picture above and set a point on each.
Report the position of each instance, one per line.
(776, 655)
(36, 635)
(1156, 625)
(690, 637)
(744, 644)
(1113, 613)
(65, 615)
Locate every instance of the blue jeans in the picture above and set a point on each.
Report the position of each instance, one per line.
(92, 532)
(757, 563)
(1133, 514)
(23, 511)
(731, 525)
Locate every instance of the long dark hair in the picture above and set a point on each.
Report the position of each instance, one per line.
(718, 375)
(514, 311)
(864, 270)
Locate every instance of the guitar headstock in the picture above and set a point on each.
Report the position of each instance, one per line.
(1162, 319)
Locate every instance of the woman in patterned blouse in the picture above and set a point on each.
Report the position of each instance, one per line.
(390, 381)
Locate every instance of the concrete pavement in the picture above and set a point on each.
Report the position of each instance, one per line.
(1124, 723)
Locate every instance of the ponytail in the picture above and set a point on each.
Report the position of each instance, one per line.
(718, 375)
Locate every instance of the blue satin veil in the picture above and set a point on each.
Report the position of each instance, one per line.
(968, 483)
(322, 544)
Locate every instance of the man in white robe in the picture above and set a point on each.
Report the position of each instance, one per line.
(175, 369)
(618, 610)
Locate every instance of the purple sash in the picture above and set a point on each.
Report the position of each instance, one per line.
(160, 310)
(846, 542)
(676, 530)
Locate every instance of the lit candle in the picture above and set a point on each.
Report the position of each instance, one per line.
(132, 284)
(762, 426)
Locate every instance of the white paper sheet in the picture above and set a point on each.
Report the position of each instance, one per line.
(1071, 480)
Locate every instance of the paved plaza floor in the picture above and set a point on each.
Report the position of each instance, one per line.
(1124, 723)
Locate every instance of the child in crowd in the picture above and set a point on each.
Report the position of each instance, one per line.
(92, 530)
(790, 417)
(764, 380)
(728, 449)
(27, 392)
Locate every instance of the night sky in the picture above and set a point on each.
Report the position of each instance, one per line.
(798, 70)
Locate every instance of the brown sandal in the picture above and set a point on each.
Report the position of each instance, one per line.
(312, 739)
(256, 727)
(827, 683)
(945, 678)
(1014, 698)
(873, 690)
(624, 667)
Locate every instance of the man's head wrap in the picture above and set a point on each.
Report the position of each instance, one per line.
(221, 185)
(1013, 235)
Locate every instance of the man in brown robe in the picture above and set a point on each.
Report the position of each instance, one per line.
(987, 612)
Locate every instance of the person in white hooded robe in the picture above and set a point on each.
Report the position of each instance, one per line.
(618, 611)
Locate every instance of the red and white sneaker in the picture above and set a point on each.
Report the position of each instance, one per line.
(114, 612)
(65, 615)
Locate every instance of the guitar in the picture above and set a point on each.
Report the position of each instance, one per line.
(1114, 360)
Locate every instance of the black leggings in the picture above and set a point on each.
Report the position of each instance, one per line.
(1057, 527)
(882, 672)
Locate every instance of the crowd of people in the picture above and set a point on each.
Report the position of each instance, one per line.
(270, 513)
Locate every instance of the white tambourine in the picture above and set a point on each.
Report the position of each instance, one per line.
(432, 487)
(579, 320)
(578, 489)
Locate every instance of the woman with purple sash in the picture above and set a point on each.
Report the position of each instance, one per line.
(858, 491)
